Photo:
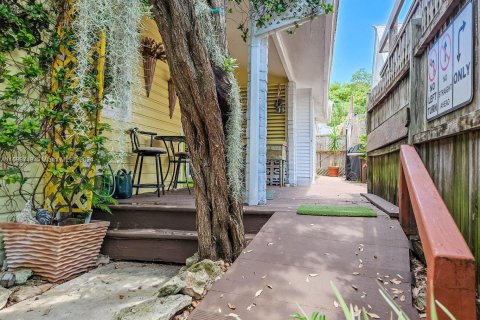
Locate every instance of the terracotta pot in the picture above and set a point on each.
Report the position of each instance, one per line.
(333, 171)
(53, 252)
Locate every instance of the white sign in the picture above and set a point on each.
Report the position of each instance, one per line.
(450, 67)
(463, 62)
(432, 77)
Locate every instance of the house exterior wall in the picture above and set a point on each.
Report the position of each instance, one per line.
(151, 113)
(304, 140)
(292, 125)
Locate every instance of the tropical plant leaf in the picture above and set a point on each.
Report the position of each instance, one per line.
(444, 309)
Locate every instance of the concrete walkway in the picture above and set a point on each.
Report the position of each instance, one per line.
(95, 295)
(294, 258)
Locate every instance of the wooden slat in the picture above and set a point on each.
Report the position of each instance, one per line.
(276, 122)
(394, 129)
(434, 15)
(463, 123)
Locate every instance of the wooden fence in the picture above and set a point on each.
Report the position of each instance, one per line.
(449, 145)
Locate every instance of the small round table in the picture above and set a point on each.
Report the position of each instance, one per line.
(176, 156)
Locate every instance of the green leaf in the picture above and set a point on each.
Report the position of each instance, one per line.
(444, 309)
(341, 301)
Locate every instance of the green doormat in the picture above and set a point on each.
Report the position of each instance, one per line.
(335, 211)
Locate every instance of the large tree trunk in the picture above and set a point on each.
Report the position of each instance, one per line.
(202, 89)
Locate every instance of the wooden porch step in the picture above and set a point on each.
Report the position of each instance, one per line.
(150, 244)
(382, 204)
(154, 216)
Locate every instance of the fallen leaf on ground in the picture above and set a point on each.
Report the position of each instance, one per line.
(248, 251)
(233, 315)
(269, 286)
(313, 274)
(356, 273)
(270, 244)
(402, 298)
(46, 312)
(396, 291)
(373, 315)
(399, 276)
(251, 306)
(395, 281)
(356, 309)
(259, 292)
(231, 306)
(264, 276)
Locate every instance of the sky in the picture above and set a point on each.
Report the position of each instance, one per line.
(355, 36)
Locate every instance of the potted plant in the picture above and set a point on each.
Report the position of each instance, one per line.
(333, 169)
(334, 145)
(51, 145)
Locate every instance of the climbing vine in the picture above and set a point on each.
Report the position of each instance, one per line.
(39, 136)
(52, 77)
(265, 12)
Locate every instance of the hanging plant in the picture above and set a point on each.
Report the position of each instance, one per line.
(151, 52)
(120, 20)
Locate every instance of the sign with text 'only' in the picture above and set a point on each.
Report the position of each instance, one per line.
(450, 67)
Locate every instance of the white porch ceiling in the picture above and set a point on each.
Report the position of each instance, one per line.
(239, 49)
(304, 56)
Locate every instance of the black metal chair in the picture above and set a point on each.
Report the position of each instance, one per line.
(177, 154)
(182, 157)
(146, 151)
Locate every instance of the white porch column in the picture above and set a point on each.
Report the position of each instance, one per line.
(256, 188)
(291, 111)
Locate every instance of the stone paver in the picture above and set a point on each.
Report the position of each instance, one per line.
(98, 294)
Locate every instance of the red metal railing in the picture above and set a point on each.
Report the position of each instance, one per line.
(450, 264)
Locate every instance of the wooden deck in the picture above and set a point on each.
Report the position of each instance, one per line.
(294, 258)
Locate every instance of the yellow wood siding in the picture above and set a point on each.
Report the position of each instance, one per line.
(152, 113)
(276, 122)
